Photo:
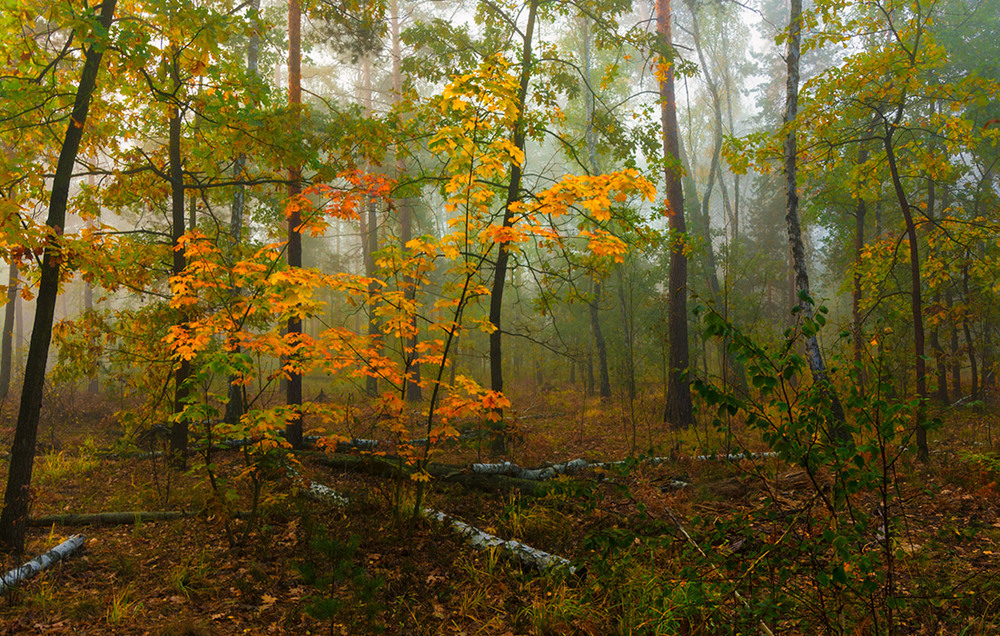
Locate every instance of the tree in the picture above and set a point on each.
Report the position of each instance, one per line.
(678, 410)
(13, 519)
(817, 366)
(293, 429)
(513, 197)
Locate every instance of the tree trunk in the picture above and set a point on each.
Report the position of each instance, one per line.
(857, 329)
(591, 138)
(602, 348)
(916, 302)
(628, 337)
(704, 223)
(293, 396)
(412, 390)
(369, 237)
(678, 411)
(513, 195)
(234, 405)
(31, 568)
(179, 427)
(815, 357)
(956, 363)
(970, 346)
(22, 454)
(7, 338)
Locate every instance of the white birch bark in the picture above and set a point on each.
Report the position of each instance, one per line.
(31, 568)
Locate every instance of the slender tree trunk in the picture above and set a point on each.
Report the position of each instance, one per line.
(235, 405)
(628, 336)
(405, 205)
(704, 222)
(598, 287)
(369, 236)
(19, 334)
(93, 384)
(179, 428)
(602, 348)
(22, 454)
(513, 195)
(916, 301)
(969, 344)
(371, 246)
(7, 338)
(815, 357)
(293, 397)
(956, 363)
(678, 411)
(857, 328)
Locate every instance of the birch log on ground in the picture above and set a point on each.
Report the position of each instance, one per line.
(39, 563)
(524, 554)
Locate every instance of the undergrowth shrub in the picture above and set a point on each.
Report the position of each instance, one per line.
(828, 561)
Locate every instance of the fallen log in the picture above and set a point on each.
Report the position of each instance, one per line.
(548, 472)
(320, 492)
(388, 468)
(39, 563)
(538, 474)
(525, 555)
(109, 518)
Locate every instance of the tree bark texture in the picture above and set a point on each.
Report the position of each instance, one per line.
(678, 411)
(31, 568)
(22, 454)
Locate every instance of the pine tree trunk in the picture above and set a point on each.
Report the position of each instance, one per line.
(22, 455)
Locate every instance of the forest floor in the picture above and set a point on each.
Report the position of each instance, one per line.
(653, 558)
